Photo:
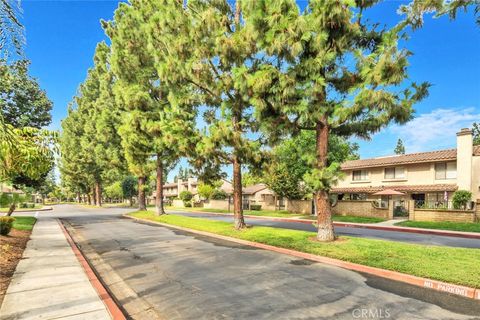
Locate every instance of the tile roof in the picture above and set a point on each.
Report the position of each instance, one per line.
(432, 156)
(254, 188)
(401, 188)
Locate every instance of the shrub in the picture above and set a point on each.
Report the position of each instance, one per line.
(461, 199)
(219, 195)
(187, 204)
(6, 224)
(186, 197)
(256, 207)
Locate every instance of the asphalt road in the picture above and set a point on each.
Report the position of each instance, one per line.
(160, 273)
(418, 238)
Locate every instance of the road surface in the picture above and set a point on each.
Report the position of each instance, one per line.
(160, 273)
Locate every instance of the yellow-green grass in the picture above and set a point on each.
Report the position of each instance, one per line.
(37, 206)
(24, 223)
(452, 226)
(283, 214)
(453, 265)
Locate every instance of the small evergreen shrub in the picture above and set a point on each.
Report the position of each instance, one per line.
(219, 195)
(461, 199)
(256, 207)
(186, 197)
(6, 224)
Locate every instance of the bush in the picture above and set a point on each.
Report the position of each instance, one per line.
(186, 197)
(187, 204)
(461, 199)
(256, 207)
(219, 195)
(6, 224)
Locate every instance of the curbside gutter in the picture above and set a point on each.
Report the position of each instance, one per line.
(459, 290)
(103, 294)
(445, 233)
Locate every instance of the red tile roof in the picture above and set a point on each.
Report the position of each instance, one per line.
(420, 157)
(404, 188)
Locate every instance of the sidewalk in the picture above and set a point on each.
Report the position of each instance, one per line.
(49, 282)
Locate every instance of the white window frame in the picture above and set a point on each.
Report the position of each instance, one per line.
(396, 173)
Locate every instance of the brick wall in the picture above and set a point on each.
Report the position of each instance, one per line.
(359, 209)
(299, 206)
(443, 215)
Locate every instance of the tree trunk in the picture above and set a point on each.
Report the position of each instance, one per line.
(159, 190)
(94, 196)
(237, 195)
(324, 213)
(89, 199)
(131, 201)
(141, 194)
(78, 197)
(98, 193)
(12, 208)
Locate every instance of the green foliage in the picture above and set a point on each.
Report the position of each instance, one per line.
(255, 207)
(205, 190)
(8, 199)
(129, 187)
(219, 195)
(23, 102)
(416, 9)
(11, 29)
(186, 197)
(6, 224)
(476, 133)
(249, 179)
(461, 199)
(400, 148)
(114, 190)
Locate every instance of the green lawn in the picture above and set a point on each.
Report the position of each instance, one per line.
(24, 223)
(37, 206)
(283, 214)
(453, 265)
(453, 226)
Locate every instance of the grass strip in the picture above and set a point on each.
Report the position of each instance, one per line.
(453, 265)
(24, 223)
(452, 226)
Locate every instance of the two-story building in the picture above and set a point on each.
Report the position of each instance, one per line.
(427, 177)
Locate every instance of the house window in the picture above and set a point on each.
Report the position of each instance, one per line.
(395, 173)
(358, 196)
(445, 170)
(359, 175)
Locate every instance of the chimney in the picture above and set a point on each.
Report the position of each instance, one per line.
(464, 159)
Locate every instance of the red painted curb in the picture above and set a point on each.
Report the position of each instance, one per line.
(357, 225)
(393, 275)
(111, 306)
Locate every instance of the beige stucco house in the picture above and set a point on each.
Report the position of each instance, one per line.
(428, 178)
(173, 190)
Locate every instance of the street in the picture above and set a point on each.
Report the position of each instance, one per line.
(157, 272)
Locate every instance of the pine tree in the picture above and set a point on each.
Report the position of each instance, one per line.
(158, 117)
(400, 148)
(329, 70)
(210, 49)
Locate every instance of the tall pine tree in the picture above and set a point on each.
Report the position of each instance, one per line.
(328, 70)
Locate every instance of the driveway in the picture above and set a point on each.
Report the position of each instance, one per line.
(161, 273)
(417, 238)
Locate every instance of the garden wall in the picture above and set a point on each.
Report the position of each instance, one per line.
(442, 215)
(299, 206)
(359, 208)
(178, 203)
(217, 204)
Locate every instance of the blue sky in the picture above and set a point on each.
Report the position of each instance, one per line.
(62, 35)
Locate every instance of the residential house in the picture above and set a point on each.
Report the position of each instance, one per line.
(173, 190)
(428, 178)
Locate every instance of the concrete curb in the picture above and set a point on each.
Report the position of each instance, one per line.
(445, 233)
(49, 208)
(464, 291)
(103, 294)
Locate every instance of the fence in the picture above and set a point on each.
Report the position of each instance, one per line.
(442, 205)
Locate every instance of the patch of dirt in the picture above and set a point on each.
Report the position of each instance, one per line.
(11, 250)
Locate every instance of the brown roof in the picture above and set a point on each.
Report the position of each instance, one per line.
(420, 157)
(404, 188)
(254, 188)
(169, 185)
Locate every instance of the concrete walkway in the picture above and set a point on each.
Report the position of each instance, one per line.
(49, 282)
(388, 223)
